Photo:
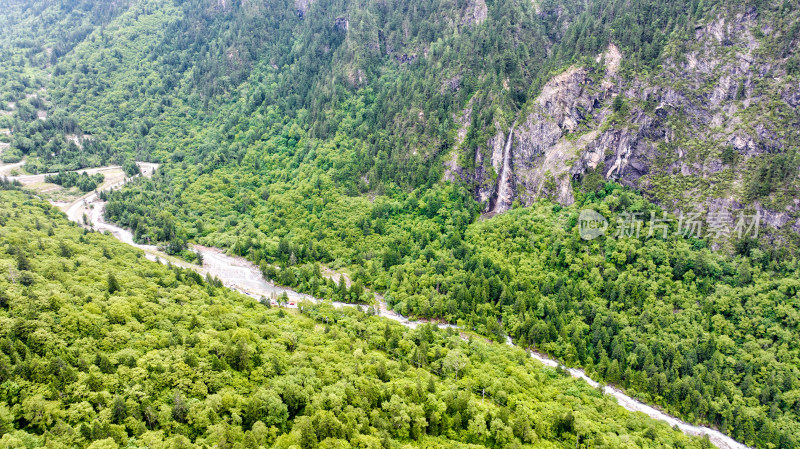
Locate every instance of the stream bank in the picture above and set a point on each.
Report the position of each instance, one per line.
(245, 277)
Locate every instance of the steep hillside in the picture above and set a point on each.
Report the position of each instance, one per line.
(713, 127)
(36, 35)
(394, 140)
(694, 104)
(154, 78)
(100, 348)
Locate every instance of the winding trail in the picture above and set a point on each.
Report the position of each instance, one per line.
(242, 275)
(6, 169)
(33, 179)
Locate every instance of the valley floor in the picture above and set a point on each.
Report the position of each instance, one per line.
(242, 275)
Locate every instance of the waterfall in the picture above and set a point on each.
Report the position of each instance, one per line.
(242, 275)
(502, 201)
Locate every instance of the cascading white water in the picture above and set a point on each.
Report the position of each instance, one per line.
(502, 202)
(242, 275)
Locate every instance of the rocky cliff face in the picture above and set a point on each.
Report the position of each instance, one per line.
(554, 133)
(689, 134)
(475, 12)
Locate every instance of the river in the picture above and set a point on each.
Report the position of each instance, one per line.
(242, 275)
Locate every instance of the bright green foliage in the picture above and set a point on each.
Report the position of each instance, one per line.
(83, 181)
(37, 35)
(709, 337)
(105, 349)
(694, 331)
(205, 82)
(299, 138)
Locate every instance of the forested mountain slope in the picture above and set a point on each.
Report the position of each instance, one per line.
(373, 136)
(694, 103)
(709, 337)
(711, 127)
(102, 348)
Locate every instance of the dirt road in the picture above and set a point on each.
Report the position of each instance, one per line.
(35, 179)
(6, 169)
(114, 179)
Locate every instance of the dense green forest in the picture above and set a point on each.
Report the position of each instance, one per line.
(36, 35)
(203, 82)
(305, 133)
(102, 348)
(83, 181)
(707, 336)
(150, 83)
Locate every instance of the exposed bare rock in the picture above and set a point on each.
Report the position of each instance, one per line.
(497, 144)
(563, 98)
(357, 77)
(668, 138)
(475, 13)
(487, 179)
(612, 59)
(773, 219)
(542, 151)
(301, 6)
(452, 171)
(504, 192)
(743, 144)
(628, 156)
(341, 24)
(792, 95)
(463, 124)
(405, 59)
(485, 189)
(451, 84)
(531, 159)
